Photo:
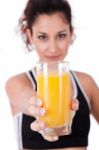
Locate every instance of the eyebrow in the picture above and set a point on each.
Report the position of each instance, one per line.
(64, 30)
(41, 33)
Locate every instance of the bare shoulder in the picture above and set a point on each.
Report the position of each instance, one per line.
(18, 80)
(85, 78)
(87, 82)
(83, 75)
(92, 91)
(19, 90)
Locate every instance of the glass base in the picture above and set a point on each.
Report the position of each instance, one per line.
(65, 130)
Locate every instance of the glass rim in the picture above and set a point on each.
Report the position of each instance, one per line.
(53, 62)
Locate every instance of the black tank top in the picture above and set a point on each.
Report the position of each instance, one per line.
(80, 127)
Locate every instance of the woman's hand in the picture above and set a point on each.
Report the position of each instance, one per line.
(37, 110)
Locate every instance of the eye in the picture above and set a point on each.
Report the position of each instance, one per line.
(62, 35)
(42, 37)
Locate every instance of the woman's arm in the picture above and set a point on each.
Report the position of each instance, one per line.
(92, 91)
(20, 92)
(19, 89)
(94, 100)
(22, 99)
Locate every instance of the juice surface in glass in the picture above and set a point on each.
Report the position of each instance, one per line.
(55, 92)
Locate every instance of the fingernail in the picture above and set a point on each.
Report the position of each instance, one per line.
(39, 102)
(76, 107)
(42, 112)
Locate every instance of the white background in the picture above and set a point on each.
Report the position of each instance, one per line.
(83, 56)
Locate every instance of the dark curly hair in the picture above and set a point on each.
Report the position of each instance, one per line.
(35, 8)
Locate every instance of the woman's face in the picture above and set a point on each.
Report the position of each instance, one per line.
(51, 36)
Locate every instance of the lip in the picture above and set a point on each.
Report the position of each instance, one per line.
(53, 58)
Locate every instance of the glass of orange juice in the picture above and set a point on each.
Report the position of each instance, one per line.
(54, 89)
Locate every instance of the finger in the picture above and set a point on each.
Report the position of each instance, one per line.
(49, 138)
(37, 126)
(49, 134)
(36, 111)
(34, 101)
(75, 104)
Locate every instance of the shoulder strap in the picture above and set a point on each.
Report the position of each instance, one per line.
(32, 76)
(80, 87)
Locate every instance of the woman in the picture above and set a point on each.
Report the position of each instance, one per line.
(47, 25)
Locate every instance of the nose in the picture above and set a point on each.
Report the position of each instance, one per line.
(53, 47)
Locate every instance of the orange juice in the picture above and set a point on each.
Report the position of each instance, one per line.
(54, 91)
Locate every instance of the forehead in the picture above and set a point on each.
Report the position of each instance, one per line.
(56, 21)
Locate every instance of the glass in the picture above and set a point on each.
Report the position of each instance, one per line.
(54, 89)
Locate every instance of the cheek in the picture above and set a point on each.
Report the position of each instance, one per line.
(40, 46)
(63, 47)
(40, 50)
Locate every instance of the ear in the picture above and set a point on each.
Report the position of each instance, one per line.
(73, 36)
(29, 36)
